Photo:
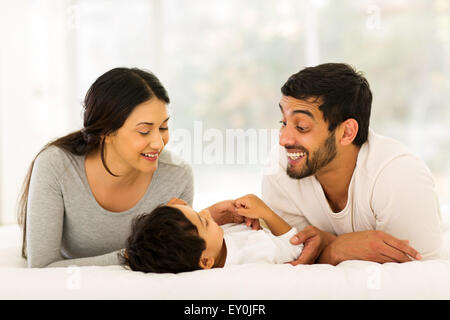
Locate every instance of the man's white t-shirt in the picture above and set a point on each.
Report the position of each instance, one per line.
(391, 190)
(245, 245)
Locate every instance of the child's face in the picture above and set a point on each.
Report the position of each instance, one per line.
(207, 228)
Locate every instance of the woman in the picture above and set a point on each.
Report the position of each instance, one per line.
(83, 190)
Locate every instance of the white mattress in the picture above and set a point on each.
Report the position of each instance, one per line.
(348, 280)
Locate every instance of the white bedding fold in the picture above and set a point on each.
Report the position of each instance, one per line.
(349, 280)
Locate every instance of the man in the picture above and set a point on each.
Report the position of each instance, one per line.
(354, 194)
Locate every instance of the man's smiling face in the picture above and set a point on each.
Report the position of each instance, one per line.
(304, 134)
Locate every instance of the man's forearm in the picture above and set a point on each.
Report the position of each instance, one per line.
(369, 245)
(327, 255)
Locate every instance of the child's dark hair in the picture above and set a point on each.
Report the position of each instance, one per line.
(163, 241)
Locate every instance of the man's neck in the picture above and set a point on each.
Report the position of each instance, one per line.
(335, 178)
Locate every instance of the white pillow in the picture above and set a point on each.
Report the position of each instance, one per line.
(11, 246)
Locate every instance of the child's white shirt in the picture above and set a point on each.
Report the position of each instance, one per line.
(245, 245)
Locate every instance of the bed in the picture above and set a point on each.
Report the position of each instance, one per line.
(348, 280)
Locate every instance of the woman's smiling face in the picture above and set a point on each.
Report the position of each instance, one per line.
(138, 143)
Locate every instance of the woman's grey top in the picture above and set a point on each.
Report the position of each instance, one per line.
(66, 225)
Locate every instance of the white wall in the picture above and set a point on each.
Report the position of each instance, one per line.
(35, 86)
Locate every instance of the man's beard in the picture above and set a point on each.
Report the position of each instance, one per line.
(319, 159)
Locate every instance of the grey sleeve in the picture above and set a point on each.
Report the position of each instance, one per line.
(45, 217)
(108, 259)
(45, 213)
(188, 192)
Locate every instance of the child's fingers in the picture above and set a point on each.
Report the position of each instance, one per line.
(241, 202)
(246, 213)
(254, 223)
(245, 201)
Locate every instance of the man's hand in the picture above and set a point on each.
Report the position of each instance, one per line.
(373, 245)
(314, 241)
(226, 212)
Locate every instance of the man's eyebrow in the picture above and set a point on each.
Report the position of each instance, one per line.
(307, 112)
(151, 123)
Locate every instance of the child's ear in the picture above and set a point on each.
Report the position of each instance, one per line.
(206, 262)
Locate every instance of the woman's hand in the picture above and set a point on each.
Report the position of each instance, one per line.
(226, 212)
(176, 201)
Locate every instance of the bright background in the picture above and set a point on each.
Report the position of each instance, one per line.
(223, 63)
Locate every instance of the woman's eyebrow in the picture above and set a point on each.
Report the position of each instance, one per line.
(147, 123)
(201, 220)
(151, 123)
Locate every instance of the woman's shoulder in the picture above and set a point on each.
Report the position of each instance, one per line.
(53, 158)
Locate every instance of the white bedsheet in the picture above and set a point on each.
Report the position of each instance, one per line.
(348, 280)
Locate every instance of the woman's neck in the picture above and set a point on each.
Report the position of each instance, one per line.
(96, 170)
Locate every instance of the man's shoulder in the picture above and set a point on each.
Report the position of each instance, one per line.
(380, 154)
(378, 151)
(384, 145)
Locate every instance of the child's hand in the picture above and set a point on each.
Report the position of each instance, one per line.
(251, 206)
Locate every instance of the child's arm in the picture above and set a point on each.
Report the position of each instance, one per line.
(251, 206)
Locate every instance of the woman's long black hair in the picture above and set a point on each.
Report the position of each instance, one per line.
(108, 103)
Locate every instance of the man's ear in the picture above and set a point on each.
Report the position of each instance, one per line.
(206, 262)
(349, 130)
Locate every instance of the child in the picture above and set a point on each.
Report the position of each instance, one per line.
(174, 238)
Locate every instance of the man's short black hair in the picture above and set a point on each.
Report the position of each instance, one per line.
(164, 241)
(345, 94)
